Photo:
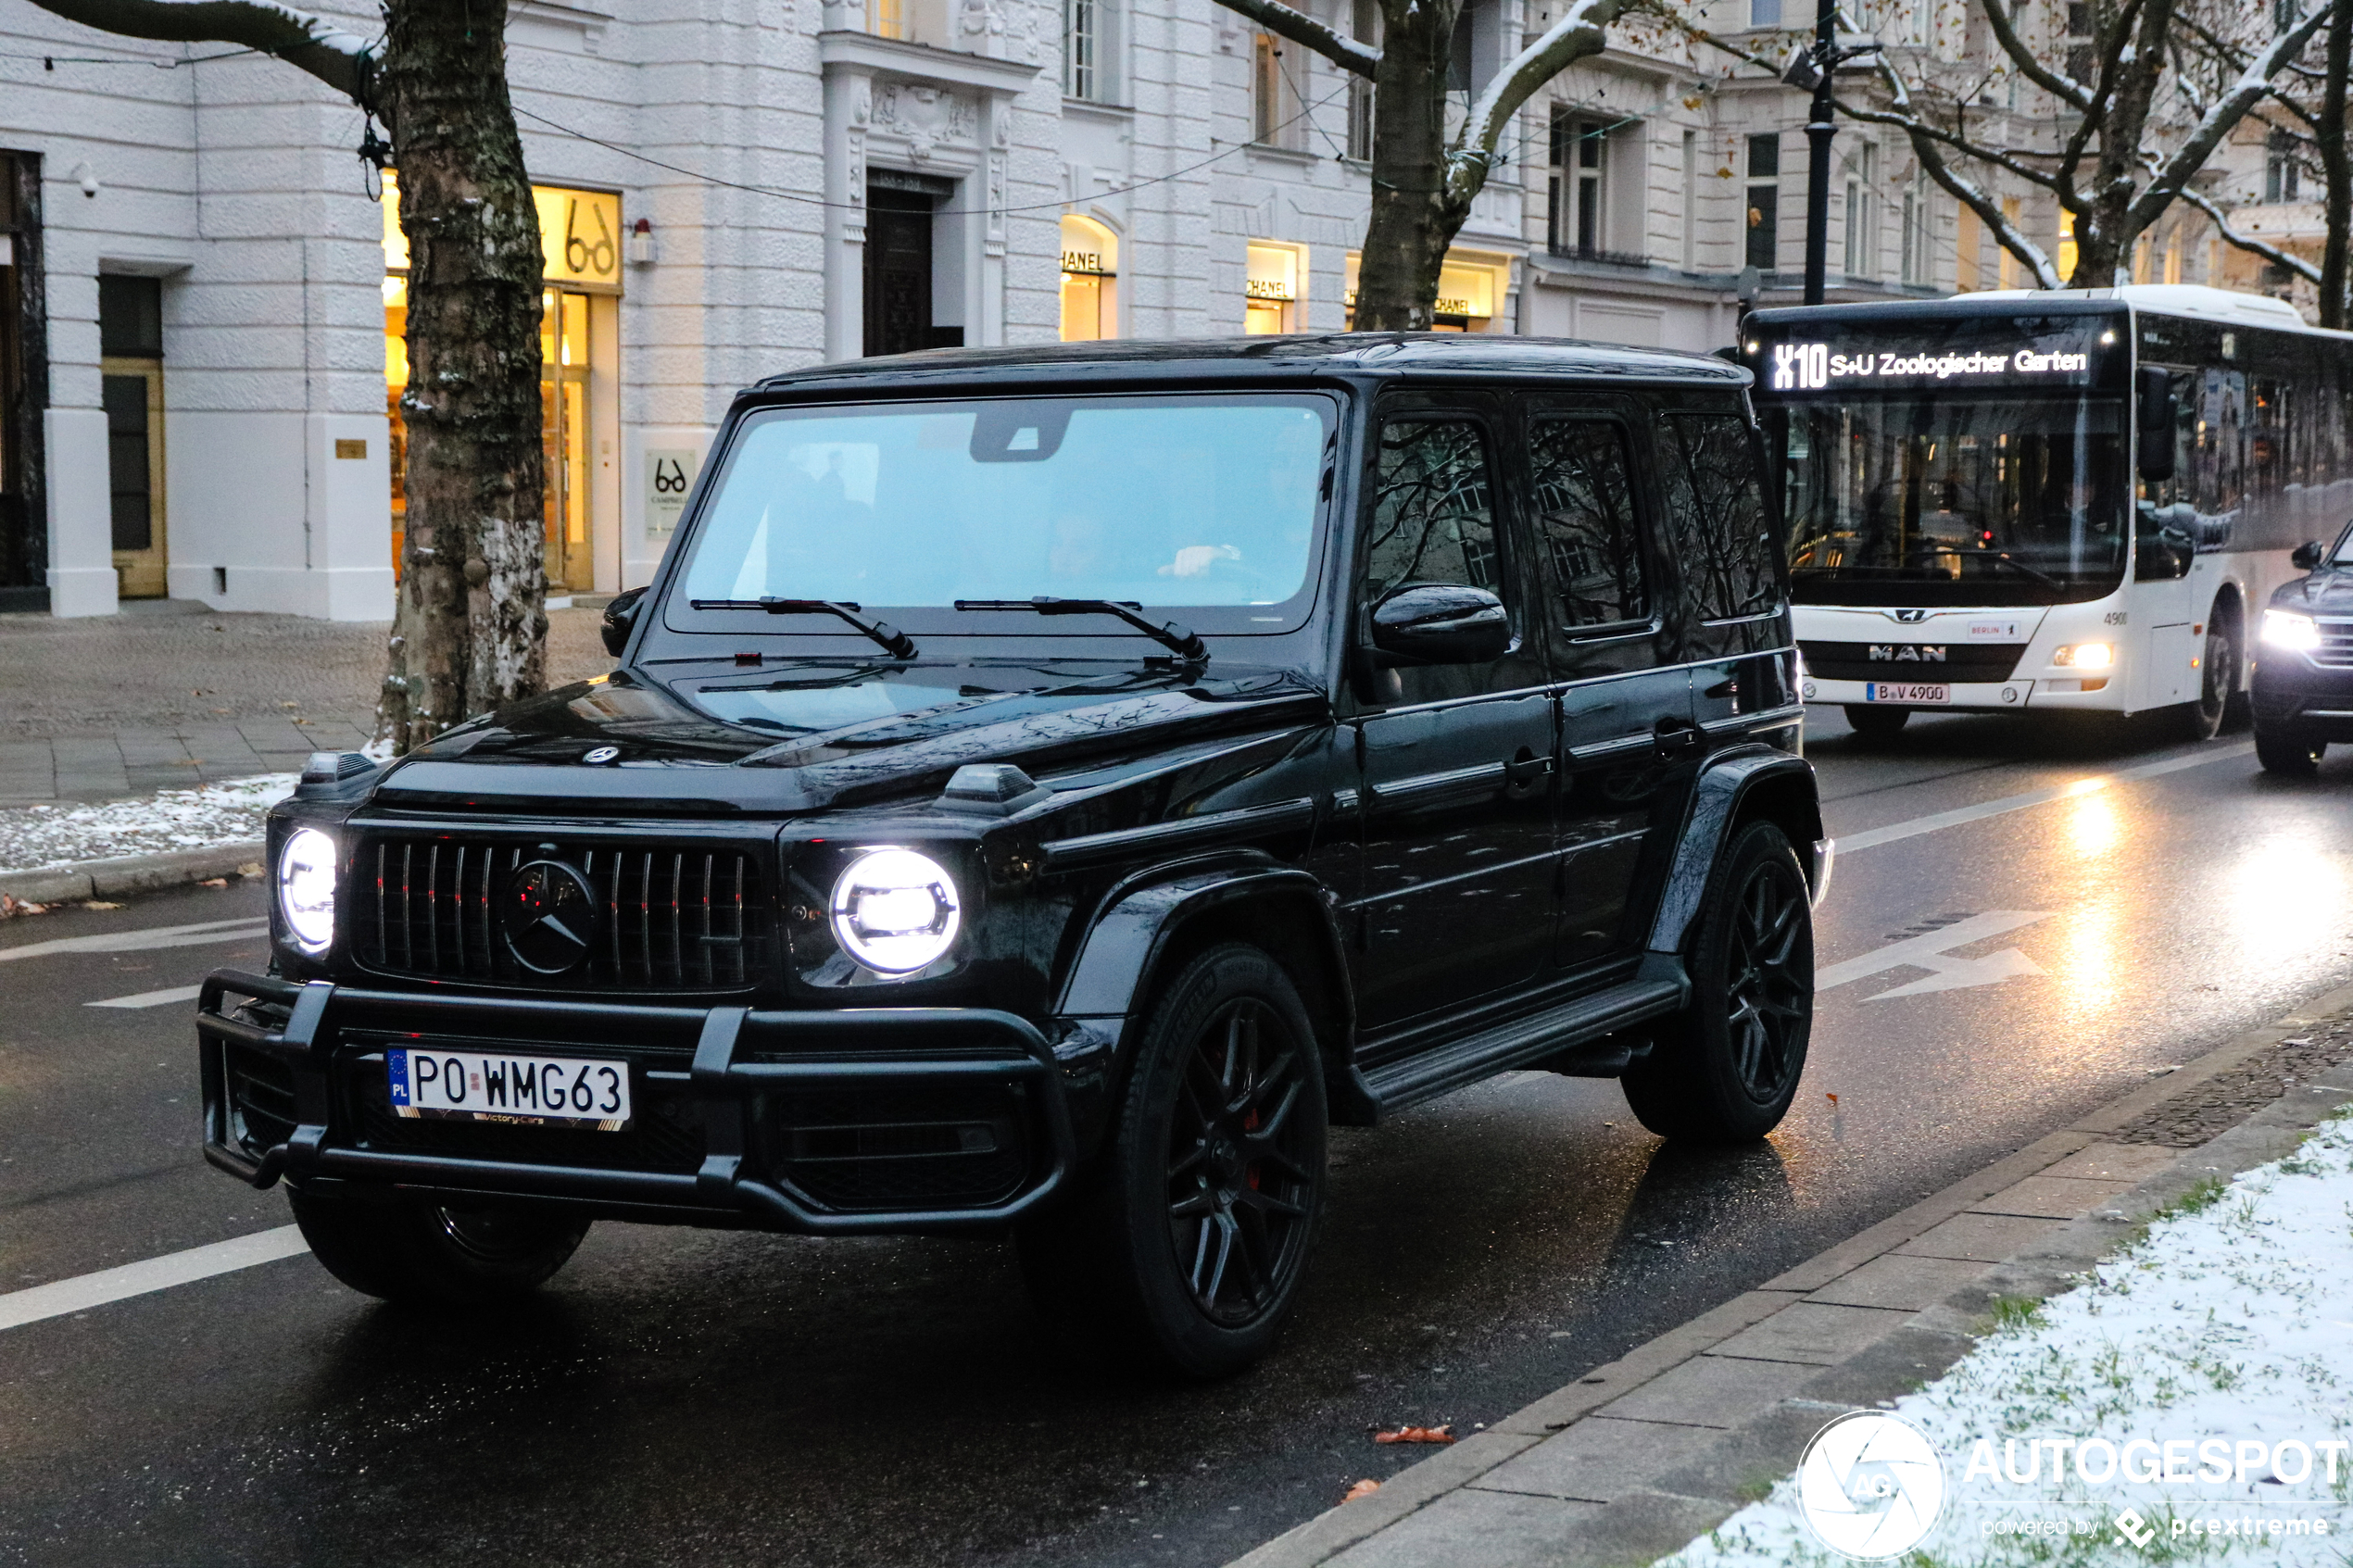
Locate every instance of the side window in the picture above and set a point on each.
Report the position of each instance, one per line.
(1716, 515)
(1584, 509)
(1433, 512)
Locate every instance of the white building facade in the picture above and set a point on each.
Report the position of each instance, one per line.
(200, 305)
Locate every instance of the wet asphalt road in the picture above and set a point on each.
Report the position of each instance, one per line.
(681, 1397)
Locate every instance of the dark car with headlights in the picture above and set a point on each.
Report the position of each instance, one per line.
(1044, 789)
(2303, 678)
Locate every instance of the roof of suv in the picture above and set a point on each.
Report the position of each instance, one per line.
(1363, 353)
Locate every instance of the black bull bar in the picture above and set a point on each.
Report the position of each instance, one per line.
(723, 1089)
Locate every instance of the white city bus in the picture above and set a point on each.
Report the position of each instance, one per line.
(2070, 500)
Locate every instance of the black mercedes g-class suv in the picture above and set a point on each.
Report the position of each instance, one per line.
(1041, 791)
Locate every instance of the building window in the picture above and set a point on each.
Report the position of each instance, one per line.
(1575, 218)
(1691, 201)
(1764, 13)
(888, 18)
(1274, 108)
(1360, 89)
(2065, 259)
(1862, 250)
(2279, 168)
(1090, 281)
(1919, 233)
(1082, 47)
(1764, 201)
(1270, 290)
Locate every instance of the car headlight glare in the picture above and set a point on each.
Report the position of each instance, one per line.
(2086, 656)
(2285, 629)
(896, 911)
(306, 888)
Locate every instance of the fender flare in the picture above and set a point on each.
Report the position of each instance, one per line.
(1129, 936)
(1725, 782)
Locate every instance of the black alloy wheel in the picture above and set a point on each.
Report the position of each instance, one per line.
(1183, 1251)
(2217, 680)
(1873, 721)
(403, 1247)
(2287, 753)
(1239, 1189)
(1726, 1069)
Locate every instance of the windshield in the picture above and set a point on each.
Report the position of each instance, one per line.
(1953, 499)
(1205, 503)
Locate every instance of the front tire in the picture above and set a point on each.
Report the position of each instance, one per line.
(1874, 722)
(399, 1246)
(1186, 1254)
(2286, 753)
(1726, 1068)
(2218, 682)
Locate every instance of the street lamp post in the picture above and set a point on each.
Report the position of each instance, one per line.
(1814, 67)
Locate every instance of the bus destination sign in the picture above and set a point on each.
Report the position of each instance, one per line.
(1813, 367)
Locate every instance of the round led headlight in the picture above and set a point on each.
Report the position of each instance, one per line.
(896, 911)
(306, 888)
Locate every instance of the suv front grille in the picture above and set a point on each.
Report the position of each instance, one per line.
(2335, 651)
(674, 917)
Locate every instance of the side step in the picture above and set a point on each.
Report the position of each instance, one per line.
(1661, 988)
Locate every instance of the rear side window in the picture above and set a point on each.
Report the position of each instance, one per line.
(1585, 522)
(1433, 516)
(1716, 528)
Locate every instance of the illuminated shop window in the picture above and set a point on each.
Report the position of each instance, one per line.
(1468, 291)
(1090, 281)
(1271, 290)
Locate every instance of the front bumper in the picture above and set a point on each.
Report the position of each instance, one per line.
(1985, 696)
(2291, 692)
(858, 1120)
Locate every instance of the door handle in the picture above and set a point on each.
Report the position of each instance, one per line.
(1526, 769)
(1673, 738)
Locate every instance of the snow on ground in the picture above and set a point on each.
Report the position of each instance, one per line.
(2227, 1333)
(40, 838)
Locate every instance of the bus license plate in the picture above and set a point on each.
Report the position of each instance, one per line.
(1905, 691)
(544, 1091)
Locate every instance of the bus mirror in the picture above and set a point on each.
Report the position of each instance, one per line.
(2155, 416)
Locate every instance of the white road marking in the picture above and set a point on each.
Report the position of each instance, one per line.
(144, 940)
(1927, 951)
(86, 1291)
(150, 998)
(1855, 843)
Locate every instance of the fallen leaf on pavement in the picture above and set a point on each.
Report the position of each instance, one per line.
(11, 907)
(100, 904)
(214, 882)
(1417, 1434)
(1833, 1099)
(1361, 1489)
(251, 868)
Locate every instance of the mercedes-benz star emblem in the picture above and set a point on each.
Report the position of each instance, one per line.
(602, 753)
(551, 916)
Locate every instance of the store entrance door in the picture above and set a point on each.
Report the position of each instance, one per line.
(130, 390)
(565, 429)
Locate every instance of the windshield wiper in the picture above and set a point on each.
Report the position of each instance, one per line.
(898, 644)
(1179, 640)
(2053, 584)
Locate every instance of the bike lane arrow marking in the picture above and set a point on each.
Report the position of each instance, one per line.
(1950, 972)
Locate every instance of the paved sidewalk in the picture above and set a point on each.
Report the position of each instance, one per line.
(1639, 1457)
(169, 694)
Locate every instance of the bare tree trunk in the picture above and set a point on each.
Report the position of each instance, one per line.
(472, 623)
(1415, 212)
(2336, 166)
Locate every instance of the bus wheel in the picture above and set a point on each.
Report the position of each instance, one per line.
(2288, 754)
(2217, 680)
(1873, 721)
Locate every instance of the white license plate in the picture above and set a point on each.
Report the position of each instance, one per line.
(1905, 691)
(548, 1091)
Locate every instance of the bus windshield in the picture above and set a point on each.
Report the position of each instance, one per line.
(1948, 499)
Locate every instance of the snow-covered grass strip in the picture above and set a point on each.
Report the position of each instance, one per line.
(2218, 1348)
(48, 837)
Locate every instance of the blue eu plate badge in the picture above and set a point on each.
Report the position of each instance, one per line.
(400, 1078)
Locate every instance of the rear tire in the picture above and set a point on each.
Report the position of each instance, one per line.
(1185, 1254)
(1874, 722)
(2286, 753)
(1726, 1068)
(398, 1246)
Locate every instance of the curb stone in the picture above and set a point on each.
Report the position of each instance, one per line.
(129, 873)
(1640, 1456)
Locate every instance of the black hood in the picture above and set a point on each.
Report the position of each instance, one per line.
(2329, 591)
(808, 735)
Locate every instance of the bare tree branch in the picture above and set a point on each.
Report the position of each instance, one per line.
(2173, 174)
(322, 46)
(1580, 33)
(1305, 30)
(2245, 242)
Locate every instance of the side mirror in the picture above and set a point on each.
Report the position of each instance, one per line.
(1442, 623)
(2155, 412)
(621, 618)
(2305, 557)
